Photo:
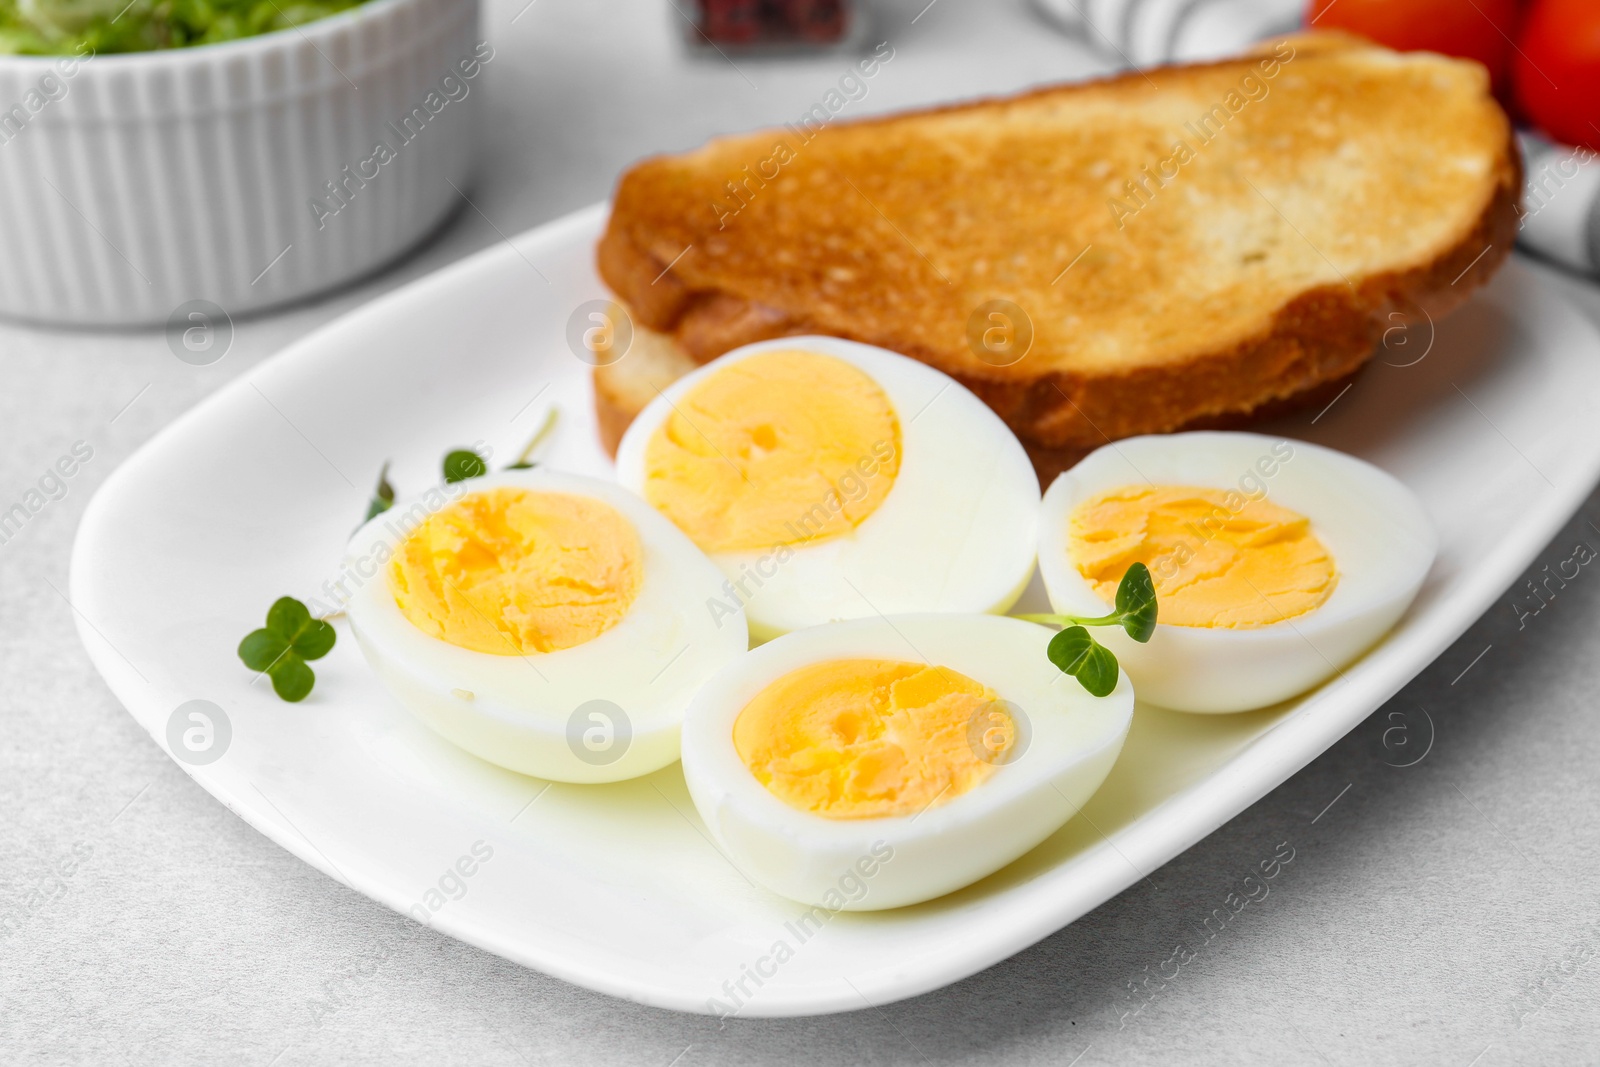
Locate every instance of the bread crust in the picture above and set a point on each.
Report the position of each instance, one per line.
(1322, 335)
(620, 395)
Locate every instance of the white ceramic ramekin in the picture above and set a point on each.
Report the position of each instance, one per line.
(132, 185)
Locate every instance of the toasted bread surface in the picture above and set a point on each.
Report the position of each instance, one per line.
(1185, 243)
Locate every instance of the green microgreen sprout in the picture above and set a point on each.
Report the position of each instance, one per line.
(281, 648)
(382, 496)
(463, 463)
(1077, 653)
(460, 464)
(525, 459)
(292, 636)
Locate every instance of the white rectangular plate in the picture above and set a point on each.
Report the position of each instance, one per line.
(1496, 425)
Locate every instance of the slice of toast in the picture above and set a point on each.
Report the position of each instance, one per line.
(1186, 244)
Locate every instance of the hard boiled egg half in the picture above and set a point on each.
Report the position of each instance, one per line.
(831, 480)
(1276, 563)
(880, 762)
(552, 624)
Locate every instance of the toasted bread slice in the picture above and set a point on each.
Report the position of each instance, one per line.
(1187, 243)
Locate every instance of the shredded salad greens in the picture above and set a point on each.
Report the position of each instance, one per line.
(87, 27)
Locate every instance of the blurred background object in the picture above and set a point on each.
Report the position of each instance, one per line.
(1556, 70)
(65, 27)
(1468, 29)
(1148, 32)
(244, 174)
(776, 25)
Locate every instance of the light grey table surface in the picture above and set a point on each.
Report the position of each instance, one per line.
(1443, 913)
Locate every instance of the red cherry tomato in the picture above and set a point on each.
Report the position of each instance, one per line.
(1468, 29)
(1556, 73)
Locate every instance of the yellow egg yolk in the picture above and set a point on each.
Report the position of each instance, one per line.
(781, 448)
(1218, 558)
(866, 739)
(511, 571)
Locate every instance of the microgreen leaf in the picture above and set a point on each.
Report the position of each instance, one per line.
(382, 496)
(280, 649)
(292, 679)
(525, 459)
(287, 617)
(463, 463)
(1078, 654)
(1069, 648)
(315, 641)
(261, 649)
(1136, 603)
(1074, 652)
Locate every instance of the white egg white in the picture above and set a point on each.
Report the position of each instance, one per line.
(1376, 530)
(1068, 741)
(601, 711)
(955, 533)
